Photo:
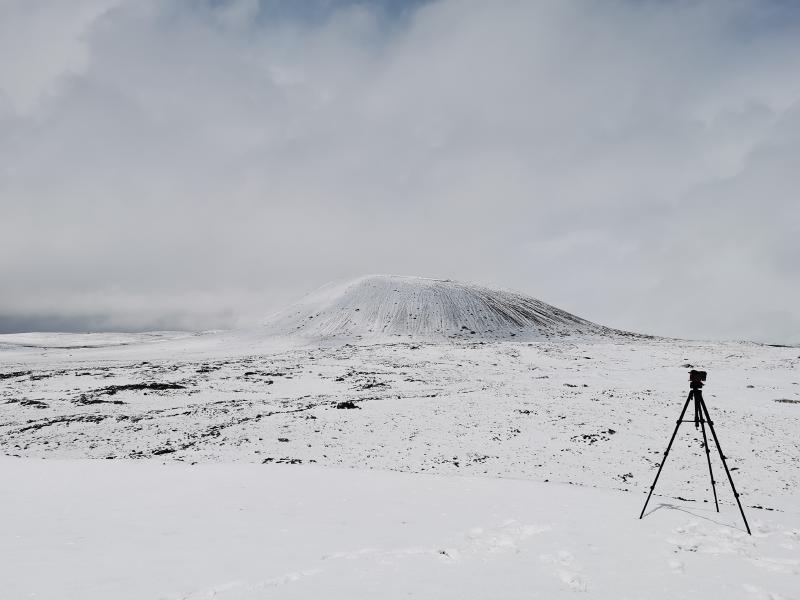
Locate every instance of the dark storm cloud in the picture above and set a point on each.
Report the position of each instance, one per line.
(173, 164)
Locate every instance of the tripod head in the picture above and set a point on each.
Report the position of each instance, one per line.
(696, 379)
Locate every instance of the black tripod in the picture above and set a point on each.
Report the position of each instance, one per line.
(701, 417)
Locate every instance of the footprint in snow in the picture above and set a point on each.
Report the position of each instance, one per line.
(505, 538)
(786, 566)
(240, 589)
(676, 565)
(572, 580)
(757, 593)
(566, 569)
(793, 534)
(214, 591)
(479, 541)
(720, 540)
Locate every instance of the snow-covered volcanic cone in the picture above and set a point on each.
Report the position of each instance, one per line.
(379, 306)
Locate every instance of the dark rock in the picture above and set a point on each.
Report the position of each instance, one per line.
(347, 404)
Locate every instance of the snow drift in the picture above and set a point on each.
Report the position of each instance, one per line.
(378, 306)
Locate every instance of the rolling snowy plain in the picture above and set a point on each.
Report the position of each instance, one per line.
(385, 457)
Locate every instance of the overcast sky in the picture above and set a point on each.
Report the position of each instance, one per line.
(199, 164)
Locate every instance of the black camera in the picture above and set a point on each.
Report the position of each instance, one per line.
(696, 378)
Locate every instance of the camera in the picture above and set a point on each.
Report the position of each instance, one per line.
(696, 378)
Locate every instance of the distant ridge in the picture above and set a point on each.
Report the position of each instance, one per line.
(381, 306)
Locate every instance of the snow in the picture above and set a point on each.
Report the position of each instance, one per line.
(530, 410)
(44, 340)
(139, 529)
(390, 306)
(408, 462)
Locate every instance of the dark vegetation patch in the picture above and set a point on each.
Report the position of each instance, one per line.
(265, 374)
(362, 375)
(285, 461)
(85, 400)
(215, 430)
(33, 403)
(34, 425)
(166, 450)
(14, 374)
(372, 384)
(257, 374)
(591, 438)
(41, 376)
(158, 387)
(96, 396)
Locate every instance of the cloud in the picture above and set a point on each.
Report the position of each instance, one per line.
(199, 164)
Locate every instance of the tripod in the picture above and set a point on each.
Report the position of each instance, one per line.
(701, 417)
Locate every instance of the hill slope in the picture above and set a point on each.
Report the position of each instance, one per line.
(378, 306)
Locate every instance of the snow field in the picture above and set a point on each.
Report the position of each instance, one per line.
(237, 466)
(140, 529)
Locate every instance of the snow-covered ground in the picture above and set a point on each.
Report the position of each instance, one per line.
(39, 340)
(596, 413)
(140, 529)
(239, 465)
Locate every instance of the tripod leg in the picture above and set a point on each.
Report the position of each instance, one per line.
(663, 460)
(724, 464)
(708, 458)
